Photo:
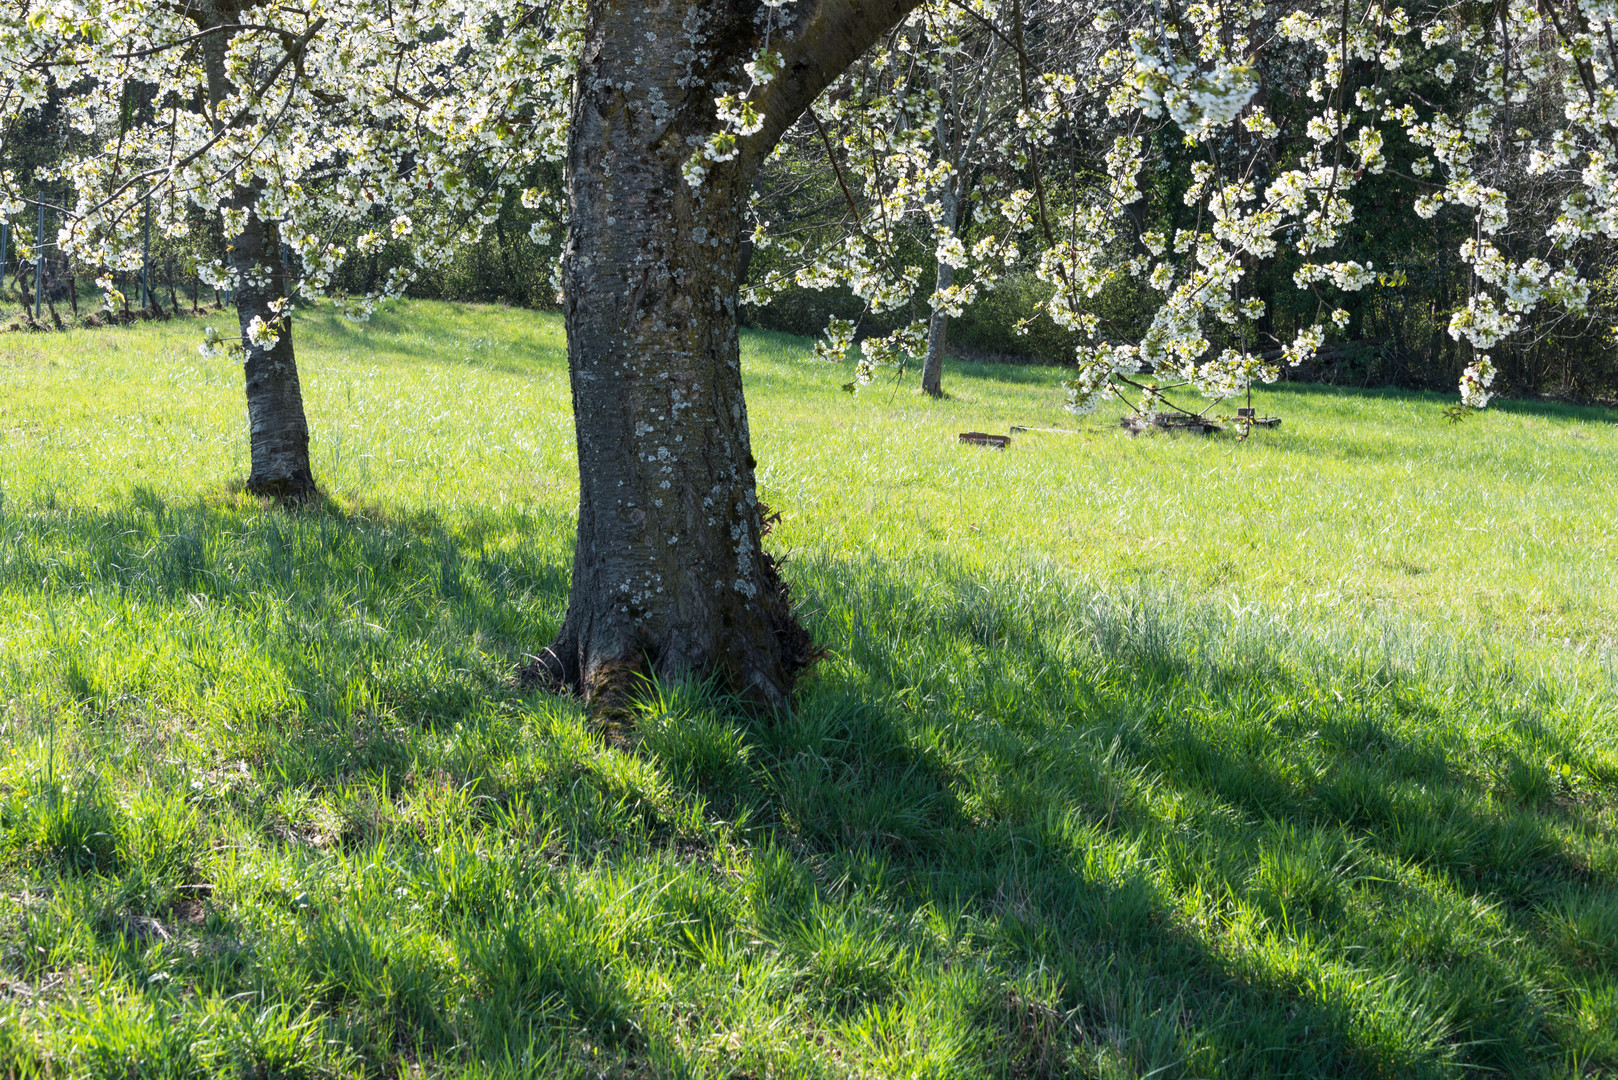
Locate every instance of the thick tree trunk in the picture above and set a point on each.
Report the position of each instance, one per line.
(669, 574)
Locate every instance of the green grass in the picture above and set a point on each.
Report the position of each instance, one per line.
(1132, 757)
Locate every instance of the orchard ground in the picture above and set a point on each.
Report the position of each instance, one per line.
(1157, 756)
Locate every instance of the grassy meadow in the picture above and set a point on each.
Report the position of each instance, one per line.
(1131, 757)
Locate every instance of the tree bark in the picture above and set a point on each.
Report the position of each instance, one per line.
(278, 432)
(958, 133)
(932, 368)
(50, 298)
(669, 573)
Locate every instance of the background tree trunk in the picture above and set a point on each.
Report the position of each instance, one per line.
(669, 574)
(932, 365)
(932, 368)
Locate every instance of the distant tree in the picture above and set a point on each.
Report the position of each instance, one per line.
(976, 83)
(915, 140)
(312, 134)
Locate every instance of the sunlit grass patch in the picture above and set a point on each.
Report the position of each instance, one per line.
(1129, 757)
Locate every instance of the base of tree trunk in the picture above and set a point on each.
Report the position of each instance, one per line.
(613, 686)
(283, 489)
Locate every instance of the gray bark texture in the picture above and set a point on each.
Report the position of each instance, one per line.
(960, 127)
(932, 367)
(669, 575)
(278, 432)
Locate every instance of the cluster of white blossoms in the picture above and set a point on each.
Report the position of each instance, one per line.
(1475, 383)
(1197, 95)
(1540, 100)
(353, 125)
(342, 126)
(1191, 83)
(1197, 73)
(738, 108)
(892, 131)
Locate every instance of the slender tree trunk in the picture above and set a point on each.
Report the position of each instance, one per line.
(669, 574)
(505, 260)
(278, 432)
(50, 299)
(932, 367)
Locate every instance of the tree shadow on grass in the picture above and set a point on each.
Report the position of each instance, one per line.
(1244, 850)
(329, 625)
(1166, 837)
(324, 664)
(1052, 887)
